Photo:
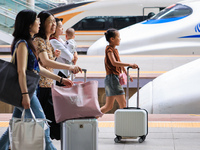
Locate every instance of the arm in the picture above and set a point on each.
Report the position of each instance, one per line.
(116, 63)
(22, 54)
(121, 64)
(44, 58)
(46, 62)
(48, 74)
(75, 58)
(65, 53)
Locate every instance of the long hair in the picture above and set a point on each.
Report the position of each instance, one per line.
(24, 19)
(43, 15)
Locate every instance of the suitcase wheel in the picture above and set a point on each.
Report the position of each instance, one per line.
(117, 139)
(142, 138)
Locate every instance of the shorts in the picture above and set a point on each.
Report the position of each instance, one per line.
(112, 85)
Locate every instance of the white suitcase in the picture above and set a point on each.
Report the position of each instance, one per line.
(79, 134)
(131, 122)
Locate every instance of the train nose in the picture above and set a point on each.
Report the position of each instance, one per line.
(98, 48)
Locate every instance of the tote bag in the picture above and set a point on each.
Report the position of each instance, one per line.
(27, 133)
(81, 100)
(10, 91)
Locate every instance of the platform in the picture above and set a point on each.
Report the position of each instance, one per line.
(151, 66)
(166, 132)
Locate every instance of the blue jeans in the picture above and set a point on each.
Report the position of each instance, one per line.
(38, 111)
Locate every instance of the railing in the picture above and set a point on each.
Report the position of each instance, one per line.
(23, 5)
(7, 18)
(49, 5)
(10, 8)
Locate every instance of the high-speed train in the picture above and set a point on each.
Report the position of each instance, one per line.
(175, 30)
(91, 19)
(174, 92)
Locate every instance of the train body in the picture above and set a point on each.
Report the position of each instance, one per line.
(175, 30)
(91, 19)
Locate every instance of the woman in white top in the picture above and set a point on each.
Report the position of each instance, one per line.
(66, 56)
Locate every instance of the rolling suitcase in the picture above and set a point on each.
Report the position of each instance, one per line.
(131, 122)
(81, 133)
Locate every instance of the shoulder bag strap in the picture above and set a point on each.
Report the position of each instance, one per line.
(13, 56)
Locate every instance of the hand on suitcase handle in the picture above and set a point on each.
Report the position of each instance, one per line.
(128, 72)
(133, 68)
(75, 69)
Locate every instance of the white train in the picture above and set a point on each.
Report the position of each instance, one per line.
(175, 30)
(91, 19)
(174, 92)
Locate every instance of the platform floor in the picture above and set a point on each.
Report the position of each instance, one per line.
(166, 132)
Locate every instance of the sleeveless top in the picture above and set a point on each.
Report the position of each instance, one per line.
(110, 69)
(32, 62)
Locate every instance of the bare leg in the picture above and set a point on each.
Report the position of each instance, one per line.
(121, 100)
(109, 104)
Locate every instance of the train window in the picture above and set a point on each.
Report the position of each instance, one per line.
(91, 24)
(173, 11)
(121, 22)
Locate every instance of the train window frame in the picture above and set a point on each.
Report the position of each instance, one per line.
(149, 12)
(170, 13)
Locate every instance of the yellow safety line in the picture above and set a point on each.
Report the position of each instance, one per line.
(4, 124)
(150, 124)
(152, 56)
(192, 56)
(160, 124)
(130, 72)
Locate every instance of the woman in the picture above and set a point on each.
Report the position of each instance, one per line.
(47, 58)
(26, 25)
(66, 56)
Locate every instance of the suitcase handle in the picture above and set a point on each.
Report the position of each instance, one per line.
(84, 70)
(127, 89)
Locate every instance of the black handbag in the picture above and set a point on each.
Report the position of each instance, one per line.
(10, 91)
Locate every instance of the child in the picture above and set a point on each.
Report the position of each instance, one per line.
(114, 67)
(71, 44)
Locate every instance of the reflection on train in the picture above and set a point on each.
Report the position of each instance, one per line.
(175, 30)
(91, 19)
